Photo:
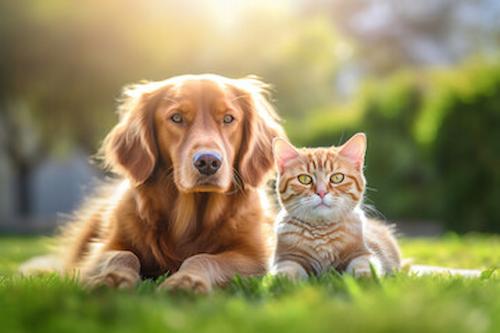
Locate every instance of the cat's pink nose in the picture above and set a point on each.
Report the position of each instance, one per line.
(321, 193)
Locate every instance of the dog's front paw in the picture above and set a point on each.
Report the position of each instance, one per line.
(187, 282)
(122, 279)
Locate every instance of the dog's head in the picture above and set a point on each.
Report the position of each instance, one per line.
(209, 131)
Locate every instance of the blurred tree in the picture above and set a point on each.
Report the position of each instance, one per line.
(433, 138)
(395, 33)
(466, 147)
(66, 63)
(468, 161)
(398, 171)
(63, 64)
(20, 141)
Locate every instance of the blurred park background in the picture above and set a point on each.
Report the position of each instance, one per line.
(421, 78)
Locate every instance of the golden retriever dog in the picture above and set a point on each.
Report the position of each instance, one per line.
(194, 152)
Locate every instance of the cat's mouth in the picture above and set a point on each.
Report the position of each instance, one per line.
(322, 205)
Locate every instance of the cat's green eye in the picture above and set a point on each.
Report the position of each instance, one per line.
(337, 178)
(305, 179)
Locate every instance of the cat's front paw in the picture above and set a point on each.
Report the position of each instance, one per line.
(362, 267)
(289, 269)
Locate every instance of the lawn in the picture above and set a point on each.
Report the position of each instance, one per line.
(331, 303)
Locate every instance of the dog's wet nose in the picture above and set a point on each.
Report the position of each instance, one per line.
(207, 162)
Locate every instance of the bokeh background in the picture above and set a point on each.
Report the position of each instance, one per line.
(421, 78)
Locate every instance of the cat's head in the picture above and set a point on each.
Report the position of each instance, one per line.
(320, 184)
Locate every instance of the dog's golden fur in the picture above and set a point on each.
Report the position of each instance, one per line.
(163, 216)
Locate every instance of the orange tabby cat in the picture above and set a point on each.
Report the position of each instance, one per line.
(322, 225)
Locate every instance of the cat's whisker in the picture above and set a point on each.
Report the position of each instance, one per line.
(371, 189)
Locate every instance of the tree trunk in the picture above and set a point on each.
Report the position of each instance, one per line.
(23, 189)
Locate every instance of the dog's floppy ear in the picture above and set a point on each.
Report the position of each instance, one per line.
(130, 148)
(261, 126)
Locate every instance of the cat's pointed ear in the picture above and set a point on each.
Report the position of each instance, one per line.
(283, 152)
(354, 150)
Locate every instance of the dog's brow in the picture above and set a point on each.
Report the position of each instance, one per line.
(237, 97)
(166, 98)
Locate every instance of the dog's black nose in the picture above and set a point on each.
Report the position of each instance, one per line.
(207, 162)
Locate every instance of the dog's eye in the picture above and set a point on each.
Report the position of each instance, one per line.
(177, 118)
(228, 119)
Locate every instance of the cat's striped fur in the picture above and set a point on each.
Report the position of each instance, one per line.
(322, 225)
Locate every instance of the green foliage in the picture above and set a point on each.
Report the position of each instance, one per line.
(328, 303)
(433, 138)
(466, 151)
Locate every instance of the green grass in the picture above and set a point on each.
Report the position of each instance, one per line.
(330, 303)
